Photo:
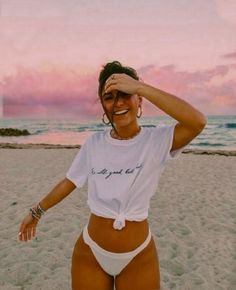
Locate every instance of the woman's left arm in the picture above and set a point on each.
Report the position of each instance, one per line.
(191, 121)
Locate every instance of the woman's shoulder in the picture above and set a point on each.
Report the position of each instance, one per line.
(96, 136)
(160, 131)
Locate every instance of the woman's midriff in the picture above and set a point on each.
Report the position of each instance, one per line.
(125, 240)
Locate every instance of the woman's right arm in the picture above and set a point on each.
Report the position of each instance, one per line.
(58, 193)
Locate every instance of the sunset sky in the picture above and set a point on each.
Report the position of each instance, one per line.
(52, 52)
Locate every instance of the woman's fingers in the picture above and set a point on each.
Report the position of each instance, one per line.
(28, 228)
(34, 231)
(113, 78)
(21, 232)
(22, 236)
(27, 233)
(121, 82)
(112, 82)
(110, 86)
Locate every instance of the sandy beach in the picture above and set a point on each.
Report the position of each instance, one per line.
(192, 219)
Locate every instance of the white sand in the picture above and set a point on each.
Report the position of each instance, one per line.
(192, 218)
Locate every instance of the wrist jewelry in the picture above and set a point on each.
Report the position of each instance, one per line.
(37, 211)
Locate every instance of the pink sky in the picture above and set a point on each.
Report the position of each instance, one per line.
(53, 51)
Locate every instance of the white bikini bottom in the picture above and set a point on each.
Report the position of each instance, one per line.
(113, 263)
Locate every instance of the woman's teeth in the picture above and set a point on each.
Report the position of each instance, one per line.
(121, 112)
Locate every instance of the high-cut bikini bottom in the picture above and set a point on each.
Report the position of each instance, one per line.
(113, 263)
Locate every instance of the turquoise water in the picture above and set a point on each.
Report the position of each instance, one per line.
(219, 134)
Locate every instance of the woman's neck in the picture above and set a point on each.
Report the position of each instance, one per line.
(125, 133)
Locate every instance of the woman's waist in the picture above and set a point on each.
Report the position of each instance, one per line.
(132, 235)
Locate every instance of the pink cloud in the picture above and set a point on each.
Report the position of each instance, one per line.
(196, 87)
(69, 93)
(55, 92)
(230, 55)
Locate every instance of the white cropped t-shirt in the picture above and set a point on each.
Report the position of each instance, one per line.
(123, 175)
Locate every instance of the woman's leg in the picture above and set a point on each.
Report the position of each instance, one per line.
(142, 272)
(86, 272)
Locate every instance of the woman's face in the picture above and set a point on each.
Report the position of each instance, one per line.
(123, 107)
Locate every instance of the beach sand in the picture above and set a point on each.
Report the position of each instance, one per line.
(192, 219)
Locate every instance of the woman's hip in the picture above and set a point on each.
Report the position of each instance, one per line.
(125, 240)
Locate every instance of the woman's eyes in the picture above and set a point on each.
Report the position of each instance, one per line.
(108, 97)
(120, 94)
(123, 95)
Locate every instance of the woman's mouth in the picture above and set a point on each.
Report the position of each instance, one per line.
(121, 112)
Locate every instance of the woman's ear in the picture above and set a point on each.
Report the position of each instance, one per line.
(140, 100)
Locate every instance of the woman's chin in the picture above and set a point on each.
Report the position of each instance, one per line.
(121, 121)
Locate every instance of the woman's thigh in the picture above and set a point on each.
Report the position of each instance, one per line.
(86, 272)
(142, 272)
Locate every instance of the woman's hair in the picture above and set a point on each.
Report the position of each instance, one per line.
(112, 68)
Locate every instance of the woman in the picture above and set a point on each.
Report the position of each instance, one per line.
(122, 166)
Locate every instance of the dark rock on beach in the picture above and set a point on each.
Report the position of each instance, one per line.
(37, 146)
(13, 132)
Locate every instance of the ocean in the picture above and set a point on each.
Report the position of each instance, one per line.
(219, 133)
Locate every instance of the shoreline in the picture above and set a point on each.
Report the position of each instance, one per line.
(59, 146)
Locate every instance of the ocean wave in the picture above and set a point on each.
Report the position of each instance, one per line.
(218, 134)
(210, 144)
(39, 131)
(228, 125)
(100, 125)
(148, 125)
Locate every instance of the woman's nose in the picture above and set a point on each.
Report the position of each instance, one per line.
(120, 100)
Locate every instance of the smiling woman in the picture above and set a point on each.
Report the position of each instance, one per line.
(122, 112)
(121, 108)
(122, 166)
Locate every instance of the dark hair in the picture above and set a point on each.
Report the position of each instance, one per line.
(111, 68)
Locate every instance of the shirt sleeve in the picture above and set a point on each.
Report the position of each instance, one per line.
(163, 139)
(78, 171)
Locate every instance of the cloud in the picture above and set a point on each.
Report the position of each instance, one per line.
(226, 10)
(230, 55)
(208, 90)
(71, 93)
(52, 92)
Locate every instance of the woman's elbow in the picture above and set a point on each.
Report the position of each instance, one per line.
(201, 124)
(69, 185)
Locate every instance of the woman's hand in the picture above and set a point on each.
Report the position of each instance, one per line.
(28, 228)
(122, 82)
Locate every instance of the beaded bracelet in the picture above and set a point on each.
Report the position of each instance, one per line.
(42, 211)
(37, 211)
(34, 214)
